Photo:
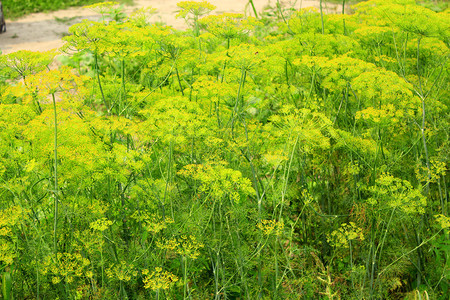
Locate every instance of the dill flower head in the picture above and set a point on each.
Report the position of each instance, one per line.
(195, 8)
(269, 227)
(121, 271)
(218, 181)
(347, 232)
(159, 279)
(101, 224)
(23, 63)
(228, 25)
(186, 246)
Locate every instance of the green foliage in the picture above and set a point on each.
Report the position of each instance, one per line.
(268, 158)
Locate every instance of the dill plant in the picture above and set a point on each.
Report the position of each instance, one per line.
(302, 156)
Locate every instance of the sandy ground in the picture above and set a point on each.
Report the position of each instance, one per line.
(43, 31)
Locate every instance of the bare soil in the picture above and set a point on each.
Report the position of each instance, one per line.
(43, 31)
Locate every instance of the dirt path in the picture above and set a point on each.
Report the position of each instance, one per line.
(43, 31)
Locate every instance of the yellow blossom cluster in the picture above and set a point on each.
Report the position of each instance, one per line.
(341, 237)
(218, 181)
(159, 279)
(186, 246)
(269, 227)
(66, 266)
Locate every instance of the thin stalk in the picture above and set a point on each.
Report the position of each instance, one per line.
(400, 63)
(321, 17)
(166, 189)
(253, 7)
(37, 281)
(55, 166)
(241, 85)
(441, 197)
(351, 261)
(425, 147)
(184, 276)
(217, 105)
(409, 252)
(215, 267)
(380, 248)
(222, 268)
(100, 83)
(418, 64)
(422, 129)
(102, 265)
(282, 16)
(343, 20)
(179, 81)
(259, 196)
(313, 80)
(286, 72)
(277, 272)
(196, 28)
(124, 90)
(241, 263)
(286, 177)
(369, 254)
(225, 62)
(340, 106)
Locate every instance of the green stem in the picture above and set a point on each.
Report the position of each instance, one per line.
(409, 252)
(55, 166)
(179, 81)
(379, 249)
(321, 17)
(418, 64)
(124, 90)
(184, 277)
(253, 7)
(343, 20)
(241, 84)
(102, 265)
(351, 263)
(196, 28)
(422, 129)
(100, 83)
(286, 72)
(282, 16)
(275, 296)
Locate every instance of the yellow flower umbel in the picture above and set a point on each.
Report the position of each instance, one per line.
(151, 222)
(218, 181)
(228, 25)
(269, 227)
(110, 8)
(393, 192)
(347, 232)
(159, 279)
(101, 224)
(189, 246)
(186, 246)
(9, 218)
(141, 16)
(196, 9)
(121, 272)
(67, 266)
(23, 63)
